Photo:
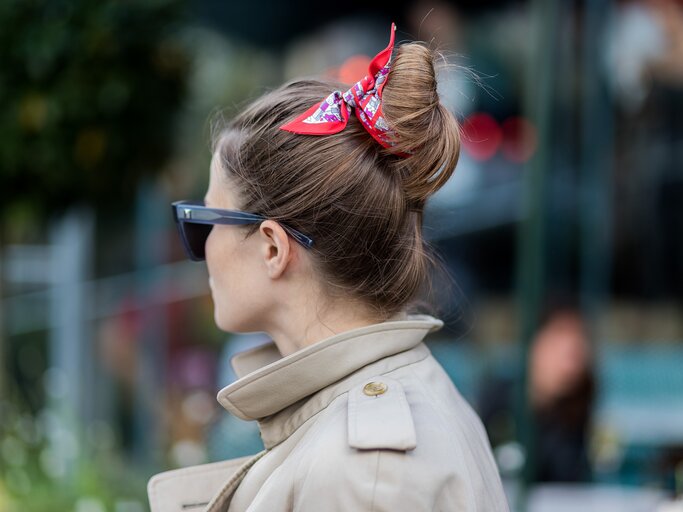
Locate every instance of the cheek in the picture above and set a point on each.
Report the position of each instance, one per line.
(219, 257)
(221, 276)
(233, 280)
(210, 252)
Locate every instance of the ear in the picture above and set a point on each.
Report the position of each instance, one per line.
(276, 248)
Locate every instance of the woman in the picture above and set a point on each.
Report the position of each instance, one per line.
(311, 231)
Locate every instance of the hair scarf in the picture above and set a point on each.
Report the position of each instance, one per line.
(364, 97)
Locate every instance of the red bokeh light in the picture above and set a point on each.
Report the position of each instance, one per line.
(481, 136)
(354, 69)
(519, 139)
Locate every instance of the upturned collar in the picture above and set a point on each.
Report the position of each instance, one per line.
(269, 383)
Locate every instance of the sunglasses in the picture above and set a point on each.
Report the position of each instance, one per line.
(194, 221)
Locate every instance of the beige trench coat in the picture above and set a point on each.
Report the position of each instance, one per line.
(365, 420)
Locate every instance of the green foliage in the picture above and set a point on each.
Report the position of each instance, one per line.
(88, 91)
(31, 479)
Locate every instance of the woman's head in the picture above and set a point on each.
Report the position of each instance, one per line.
(361, 203)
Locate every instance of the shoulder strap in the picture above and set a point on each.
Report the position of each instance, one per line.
(379, 416)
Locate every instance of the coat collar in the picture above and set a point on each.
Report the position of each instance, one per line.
(269, 384)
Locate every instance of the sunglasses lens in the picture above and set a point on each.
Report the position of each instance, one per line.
(195, 236)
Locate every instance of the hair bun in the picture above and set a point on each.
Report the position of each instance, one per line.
(423, 127)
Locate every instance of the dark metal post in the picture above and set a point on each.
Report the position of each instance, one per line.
(531, 245)
(596, 165)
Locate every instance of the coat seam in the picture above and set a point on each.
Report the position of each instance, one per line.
(374, 486)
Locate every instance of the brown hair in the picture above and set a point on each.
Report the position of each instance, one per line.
(362, 204)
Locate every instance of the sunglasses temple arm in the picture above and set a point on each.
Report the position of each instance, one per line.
(299, 237)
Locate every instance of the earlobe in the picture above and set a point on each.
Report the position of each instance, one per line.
(277, 250)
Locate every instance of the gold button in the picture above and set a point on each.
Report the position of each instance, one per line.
(375, 388)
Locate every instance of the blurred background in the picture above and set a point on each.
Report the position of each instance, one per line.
(562, 228)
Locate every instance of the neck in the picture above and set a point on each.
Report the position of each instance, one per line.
(297, 326)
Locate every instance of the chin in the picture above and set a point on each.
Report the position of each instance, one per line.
(223, 317)
(224, 322)
(230, 322)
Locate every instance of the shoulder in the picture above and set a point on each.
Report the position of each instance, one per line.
(410, 411)
(407, 429)
(369, 443)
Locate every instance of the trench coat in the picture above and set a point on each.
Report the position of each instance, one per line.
(366, 420)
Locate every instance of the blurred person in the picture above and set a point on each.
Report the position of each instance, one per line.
(312, 232)
(561, 388)
(561, 391)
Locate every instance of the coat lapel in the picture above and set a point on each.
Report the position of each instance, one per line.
(221, 501)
